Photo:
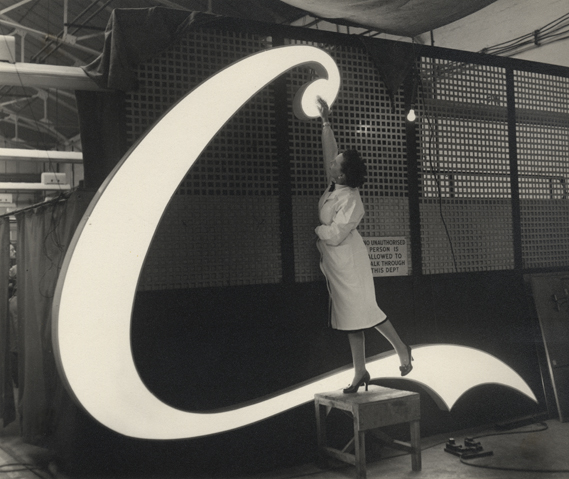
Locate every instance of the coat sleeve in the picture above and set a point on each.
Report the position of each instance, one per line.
(329, 147)
(349, 213)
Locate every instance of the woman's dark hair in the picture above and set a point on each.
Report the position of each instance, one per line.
(354, 168)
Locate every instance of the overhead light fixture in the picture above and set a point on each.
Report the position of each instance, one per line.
(411, 115)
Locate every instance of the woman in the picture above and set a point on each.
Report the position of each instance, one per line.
(344, 257)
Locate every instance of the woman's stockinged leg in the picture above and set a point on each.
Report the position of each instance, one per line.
(357, 345)
(387, 329)
(361, 376)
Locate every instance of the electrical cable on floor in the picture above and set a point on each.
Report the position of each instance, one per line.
(544, 427)
(505, 468)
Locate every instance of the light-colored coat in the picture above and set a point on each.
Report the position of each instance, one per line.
(345, 261)
(344, 257)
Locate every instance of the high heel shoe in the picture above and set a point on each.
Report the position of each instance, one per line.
(353, 388)
(408, 367)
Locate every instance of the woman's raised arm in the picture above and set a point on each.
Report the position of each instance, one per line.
(329, 146)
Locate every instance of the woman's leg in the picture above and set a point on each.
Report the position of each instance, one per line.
(357, 345)
(387, 329)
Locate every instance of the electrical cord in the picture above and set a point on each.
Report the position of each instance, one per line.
(549, 33)
(435, 173)
(505, 468)
(544, 427)
(508, 433)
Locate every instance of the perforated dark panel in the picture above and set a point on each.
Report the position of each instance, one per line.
(542, 113)
(179, 69)
(222, 226)
(225, 223)
(214, 241)
(466, 217)
(363, 119)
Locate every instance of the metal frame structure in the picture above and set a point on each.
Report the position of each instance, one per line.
(492, 222)
(53, 40)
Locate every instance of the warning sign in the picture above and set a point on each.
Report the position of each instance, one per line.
(388, 256)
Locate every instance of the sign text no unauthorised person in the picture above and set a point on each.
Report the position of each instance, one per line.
(388, 255)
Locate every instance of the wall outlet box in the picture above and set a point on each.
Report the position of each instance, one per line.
(7, 49)
(54, 178)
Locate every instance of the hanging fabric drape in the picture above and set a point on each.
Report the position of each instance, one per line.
(131, 37)
(134, 35)
(407, 18)
(44, 234)
(7, 406)
(103, 133)
(393, 64)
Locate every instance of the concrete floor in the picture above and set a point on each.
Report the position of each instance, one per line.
(525, 452)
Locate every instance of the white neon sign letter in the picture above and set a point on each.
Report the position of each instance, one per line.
(92, 308)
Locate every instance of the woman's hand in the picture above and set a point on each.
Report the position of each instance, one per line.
(323, 108)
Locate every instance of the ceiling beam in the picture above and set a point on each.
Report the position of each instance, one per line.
(13, 7)
(51, 156)
(45, 76)
(33, 186)
(69, 40)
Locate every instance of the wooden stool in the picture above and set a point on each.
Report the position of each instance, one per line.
(371, 409)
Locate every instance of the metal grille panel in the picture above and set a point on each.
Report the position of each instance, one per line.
(233, 196)
(362, 119)
(464, 168)
(542, 131)
(222, 226)
(210, 241)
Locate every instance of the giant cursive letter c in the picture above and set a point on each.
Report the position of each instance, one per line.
(92, 309)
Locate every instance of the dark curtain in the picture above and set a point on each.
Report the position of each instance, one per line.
(7, 407)
(131, 37)
(44, 234)
(134, 35)
(393, 64)
(103, 133)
